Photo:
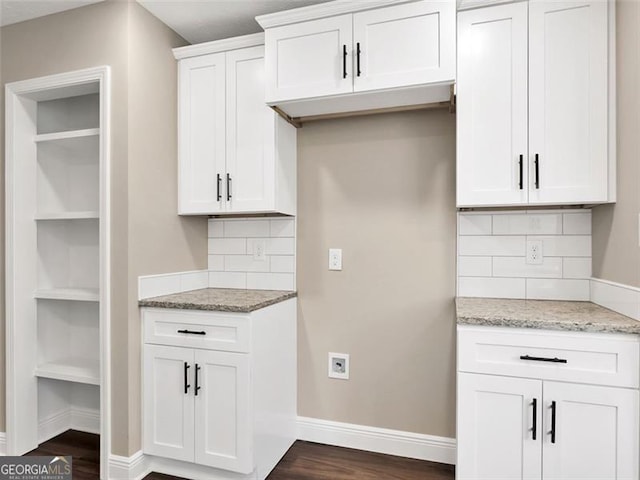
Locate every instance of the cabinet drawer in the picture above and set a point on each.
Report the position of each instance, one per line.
(600, 359)
(191, 328)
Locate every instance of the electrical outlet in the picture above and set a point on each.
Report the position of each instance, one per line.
(259, 250)
(534, 252)
(339, 365)
(335, 259)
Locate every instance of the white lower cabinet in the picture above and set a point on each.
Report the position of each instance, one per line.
(231, 410)
(514, 427)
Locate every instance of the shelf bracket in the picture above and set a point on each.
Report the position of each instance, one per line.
(293, 121)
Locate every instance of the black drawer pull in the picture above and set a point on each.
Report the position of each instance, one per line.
(198, 387)
(186, 384)
(534, 428)
(553, 422)
(191, 332)
(543, 359)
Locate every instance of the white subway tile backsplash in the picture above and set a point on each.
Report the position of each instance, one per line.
(528, 224)
(271, 281)
(275, 246)
(285, 227)
(576, 267)
(495, 245)
(166, 284)
(227, 246)
(517, 267)
(492, 259)
(231, 253)
(474, 266)
(283, 264)
(577, 223)
(558, 289)
(565, 245)
(216, 229)
(216, 263)
(245, 263)
(475, 225)
(227, 280)
(491, 287)
(240, 228)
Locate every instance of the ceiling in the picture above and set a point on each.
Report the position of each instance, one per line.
(14, 11)
(205, 20)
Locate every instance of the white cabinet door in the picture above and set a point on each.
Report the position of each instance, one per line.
(496, 421)
(201, 133)
(492, 106)
(222, 411)
(568, 108)
(309, 59)
(404, 45)
(250, 134)
(595, 434)
(168, 402)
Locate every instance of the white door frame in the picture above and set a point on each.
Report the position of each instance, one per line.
(13, 92)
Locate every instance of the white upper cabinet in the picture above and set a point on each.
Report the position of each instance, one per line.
(201, 140)
(534, 81)
(235, 154)
(403, 45)
(492, 105)
(350, 56)
(310, 59)
(568, 106)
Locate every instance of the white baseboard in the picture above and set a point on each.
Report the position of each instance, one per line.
(134, 467)
(620, 298)
(83, 420)
(3, 443)
(380, 440)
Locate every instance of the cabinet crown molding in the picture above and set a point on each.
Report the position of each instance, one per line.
(469, 4)
(217, 46)
(323, 10)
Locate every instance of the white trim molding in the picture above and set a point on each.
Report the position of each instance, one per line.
(620, 298)
(134, 467)
(3, 444)
(322, 10)
(253, 40)
(380, 440)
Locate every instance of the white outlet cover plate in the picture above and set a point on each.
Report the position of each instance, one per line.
(340, 375)
(535, 255)
(335, 259)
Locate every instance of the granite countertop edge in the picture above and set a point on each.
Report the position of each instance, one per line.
(166, 302)
(547, 315)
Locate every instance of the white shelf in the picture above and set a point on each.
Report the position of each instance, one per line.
(78, 294)
(49, 137)
(89, 214)
(73, 369)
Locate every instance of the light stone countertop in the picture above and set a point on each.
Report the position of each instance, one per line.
(543, 314)
(220, 300)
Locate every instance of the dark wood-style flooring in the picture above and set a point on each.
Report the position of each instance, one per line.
(303, 461)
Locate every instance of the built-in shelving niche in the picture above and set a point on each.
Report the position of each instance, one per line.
(55, 275)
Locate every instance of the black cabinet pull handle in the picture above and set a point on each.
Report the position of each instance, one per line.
(218, 194)
(344, 61)
(534, 428)
(358, 58)
(553, 422)
(537, 167)
(520, 162)
(228, 187)
(197, 386)
(543, 359)
(186, 384)
(192, 332)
